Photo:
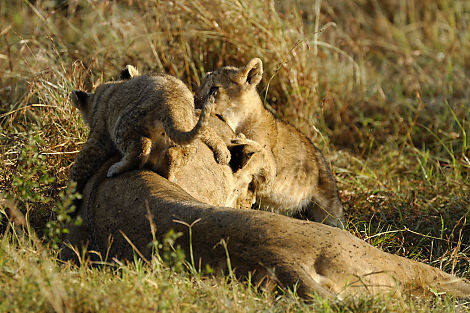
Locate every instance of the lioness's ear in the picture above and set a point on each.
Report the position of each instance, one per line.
(79, 99)
(251, 73)
(128, 72)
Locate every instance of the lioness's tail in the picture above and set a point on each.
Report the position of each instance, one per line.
(181, 137)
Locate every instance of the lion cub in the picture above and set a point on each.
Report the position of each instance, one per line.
(133, 115)
(301, 179)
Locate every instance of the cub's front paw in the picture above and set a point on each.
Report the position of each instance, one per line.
(222, 155)
(114, 170)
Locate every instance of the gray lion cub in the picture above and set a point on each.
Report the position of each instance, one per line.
(140, 116)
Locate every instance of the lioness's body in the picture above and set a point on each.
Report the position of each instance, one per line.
(136, 116)
(301, 178)
(310, 256)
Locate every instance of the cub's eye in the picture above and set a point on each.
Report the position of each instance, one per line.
(214, 91)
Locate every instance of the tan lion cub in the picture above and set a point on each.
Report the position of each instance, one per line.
(301, 179)
(133, 115)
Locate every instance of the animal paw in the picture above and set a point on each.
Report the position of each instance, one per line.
(114, 170)
(222, 155)
(209, 100)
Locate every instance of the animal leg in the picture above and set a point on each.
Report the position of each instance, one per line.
(135, 154)
(257, 162)
(326, 206)
(217, 145)
(252, 166)
(93, 154)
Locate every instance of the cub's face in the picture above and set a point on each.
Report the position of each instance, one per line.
(228, 89)
(233, 85)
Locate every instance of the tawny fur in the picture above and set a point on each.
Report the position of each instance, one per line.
(301, 180)
(141, 117)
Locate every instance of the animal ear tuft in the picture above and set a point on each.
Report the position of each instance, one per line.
(79, 99)
(129, 72)
(252, 73)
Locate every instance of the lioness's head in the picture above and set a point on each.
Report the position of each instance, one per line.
(84, 100)
(233, 85)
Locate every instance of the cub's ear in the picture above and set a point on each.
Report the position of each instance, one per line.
(129, 72)
(252, 73)
(79, 99)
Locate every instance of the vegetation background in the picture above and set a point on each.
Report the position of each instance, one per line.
(382, 87)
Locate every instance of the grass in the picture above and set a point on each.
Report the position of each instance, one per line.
(383, 92)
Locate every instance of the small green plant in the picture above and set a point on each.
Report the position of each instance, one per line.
(168, 253)
(164, 251)
(57, 228)
(31, 178)
(30, 185)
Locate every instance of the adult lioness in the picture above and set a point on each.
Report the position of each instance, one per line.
(315, 258)
(301, 177)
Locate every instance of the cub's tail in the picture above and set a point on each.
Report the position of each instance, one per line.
(182, 138)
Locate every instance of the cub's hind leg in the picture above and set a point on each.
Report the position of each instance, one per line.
(326, 206)
(167, 156)
(135, 152)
